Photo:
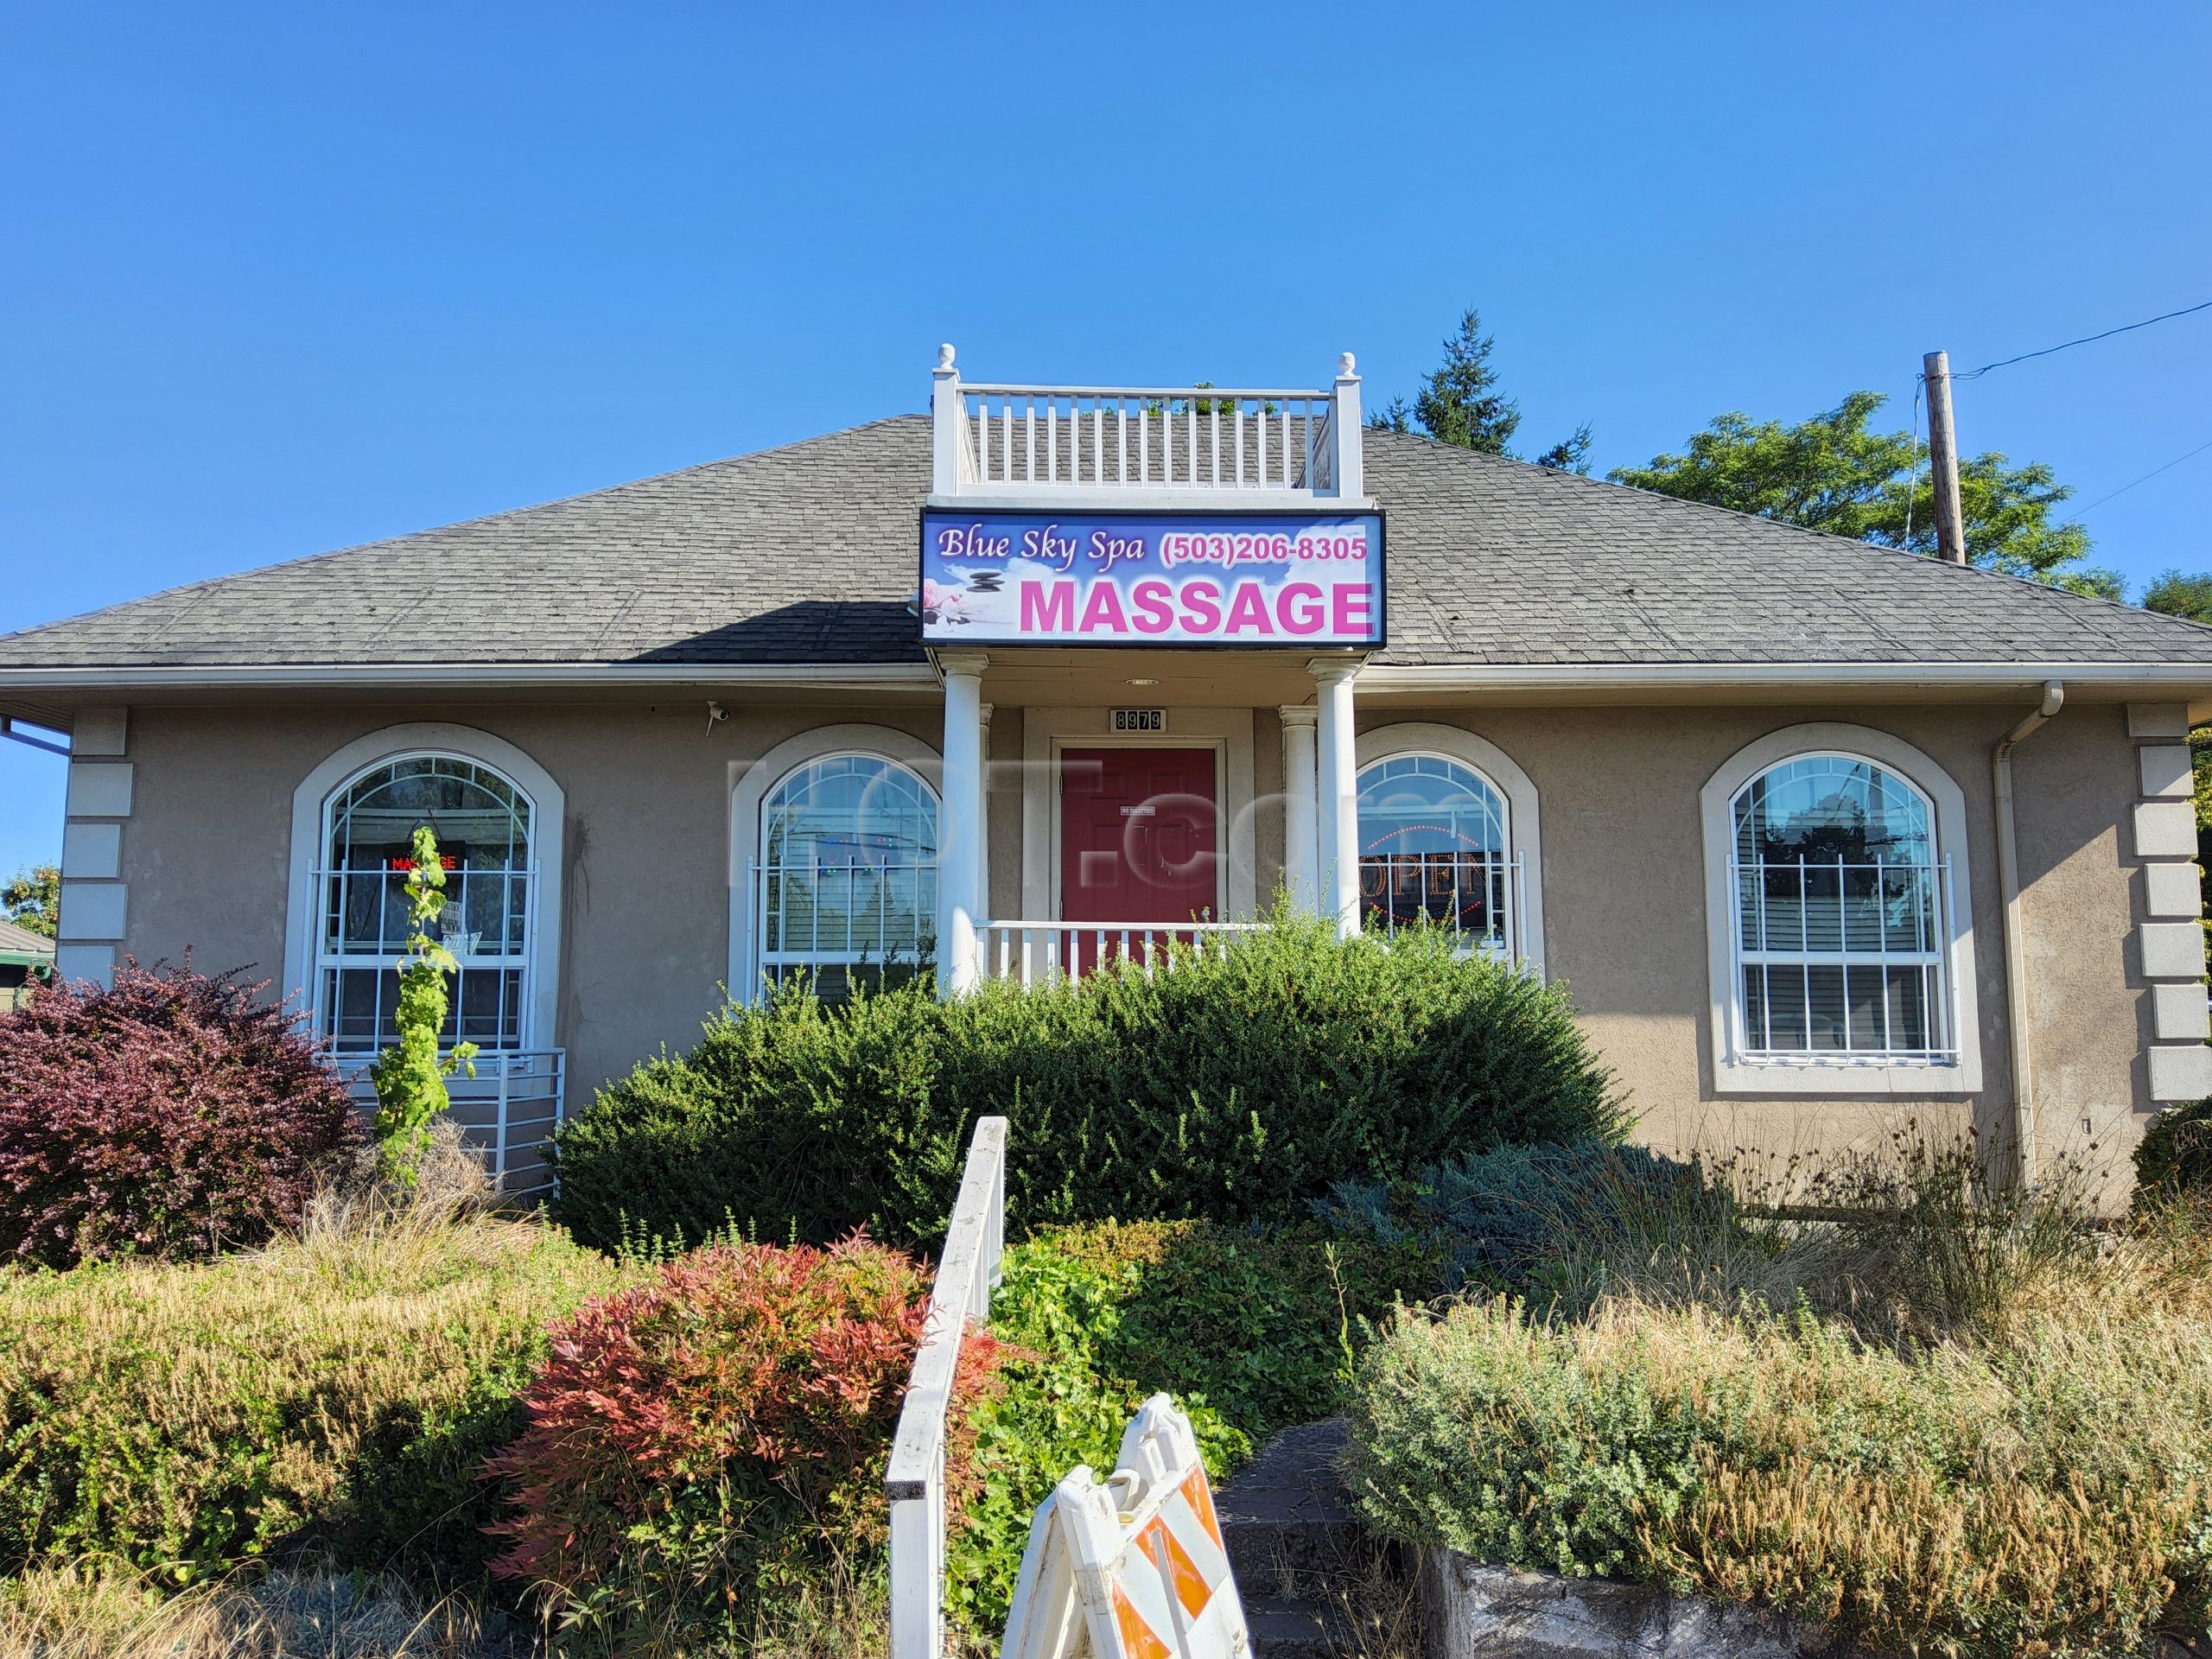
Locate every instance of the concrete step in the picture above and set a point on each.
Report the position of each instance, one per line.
(1283, 1516)
(1292, 1630)
(1308, 1574)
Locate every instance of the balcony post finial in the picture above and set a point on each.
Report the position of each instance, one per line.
(947, 416)
(1349, 475)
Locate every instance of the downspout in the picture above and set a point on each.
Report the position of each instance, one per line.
(2016, 944)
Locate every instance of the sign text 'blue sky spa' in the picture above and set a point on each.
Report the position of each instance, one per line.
(1152, 579)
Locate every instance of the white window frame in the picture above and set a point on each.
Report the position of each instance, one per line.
(1734, 1072)
(752, 784)
(548, 805)
(1516, 792)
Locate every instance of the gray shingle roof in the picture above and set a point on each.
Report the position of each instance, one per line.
(806, 555)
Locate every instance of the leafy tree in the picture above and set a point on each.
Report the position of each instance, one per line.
(1460, 403)
(33, 899)
(1834, 472)
(410, 1076)
(2179, 595)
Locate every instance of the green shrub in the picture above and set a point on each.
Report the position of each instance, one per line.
(1499, 1218)
(1236, 1087)
(340, 1391)
(2046, 1493)
(2174, 1158)
(1251, 1332)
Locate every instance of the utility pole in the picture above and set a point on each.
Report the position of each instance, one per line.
(1943, 459)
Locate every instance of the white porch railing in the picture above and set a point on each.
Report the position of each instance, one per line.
(507, 1111)
(966, 1270)
(1037, 952)
(1281, 445)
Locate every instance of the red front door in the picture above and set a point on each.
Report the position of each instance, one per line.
(1140, 832)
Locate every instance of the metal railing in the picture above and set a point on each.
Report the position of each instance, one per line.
(967, 1271)
(1875, 932)
(507, 1111)
(1039, 952)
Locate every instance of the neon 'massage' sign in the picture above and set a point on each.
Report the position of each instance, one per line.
(1250, 580)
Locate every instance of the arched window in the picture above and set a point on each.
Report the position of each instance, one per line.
(483, 822)
(845, 882)
(1841, 913)
(1434, 842)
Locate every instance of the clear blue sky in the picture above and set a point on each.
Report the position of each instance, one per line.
(283, 278)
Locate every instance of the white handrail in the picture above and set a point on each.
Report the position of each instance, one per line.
(1033, 952)
(913, 1481)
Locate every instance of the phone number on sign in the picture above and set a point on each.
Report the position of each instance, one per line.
(1193, 547)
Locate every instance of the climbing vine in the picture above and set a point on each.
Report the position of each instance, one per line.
(410, 1076)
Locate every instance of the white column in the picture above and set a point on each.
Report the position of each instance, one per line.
(960, 822)
(984, 821)
(1301, 829)
(1337, 778)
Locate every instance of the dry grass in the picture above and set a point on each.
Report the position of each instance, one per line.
(91, 1612)
(2011, 1455)
(345, 1380)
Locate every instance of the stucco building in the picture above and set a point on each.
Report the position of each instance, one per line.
(1818, 832)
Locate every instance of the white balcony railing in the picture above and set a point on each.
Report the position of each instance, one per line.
(1034, 953)
(1219, 445)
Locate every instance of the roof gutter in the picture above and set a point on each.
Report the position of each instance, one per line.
(1644, 676)
(2016, 946)
(389, 676)
(1375, 678)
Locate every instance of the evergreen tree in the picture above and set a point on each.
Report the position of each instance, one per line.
(1460, 403)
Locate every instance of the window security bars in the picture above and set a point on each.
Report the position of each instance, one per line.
(1147, 437)
(845, 923)
(1842, 960)
(362, 924)
(1476, 895)
(507, 1111)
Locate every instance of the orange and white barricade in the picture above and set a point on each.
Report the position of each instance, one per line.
(1134, 1567)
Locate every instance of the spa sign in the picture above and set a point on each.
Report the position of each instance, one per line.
(1098, 578)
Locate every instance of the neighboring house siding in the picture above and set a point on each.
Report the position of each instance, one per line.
(645, 935)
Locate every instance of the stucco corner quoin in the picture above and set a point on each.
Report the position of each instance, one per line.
(1843, 1076)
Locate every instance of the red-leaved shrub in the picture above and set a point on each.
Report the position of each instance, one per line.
(719, 1434)
(174, 1116)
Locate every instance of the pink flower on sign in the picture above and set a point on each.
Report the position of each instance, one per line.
(940, 598)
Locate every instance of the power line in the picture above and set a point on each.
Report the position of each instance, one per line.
(2145, 479)
(2127, 328)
